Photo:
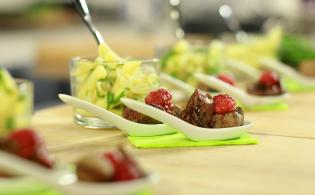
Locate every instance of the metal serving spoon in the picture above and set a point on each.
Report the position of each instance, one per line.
(68, 182)
(287, 71)
(83, 11)
(128, 127)
(192, 132)
(245, 98)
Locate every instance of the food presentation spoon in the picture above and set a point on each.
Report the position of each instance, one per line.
(186, 88)
(126, 126)
(287, 71)
(245, 98)
(68, 182)
(251, 72)
(192, 132)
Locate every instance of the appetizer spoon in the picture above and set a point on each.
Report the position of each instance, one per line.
(245, 98)
(244, 68)
(126, 126)
(192, 132)
(68, 182)
(287, 71)
(186, 88)
(83, 11)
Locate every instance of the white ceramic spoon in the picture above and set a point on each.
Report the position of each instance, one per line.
(244, 68)
(287, 71)
(186, 88)
(190, 131)
(68, 183)
(245, 98)
(128, 127)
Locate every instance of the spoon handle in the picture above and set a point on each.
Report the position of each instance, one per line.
(286, 70)
(222, 86)
(188, 89)
(251, 72)
(83, 11)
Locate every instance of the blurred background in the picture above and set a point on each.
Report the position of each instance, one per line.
(39, 37)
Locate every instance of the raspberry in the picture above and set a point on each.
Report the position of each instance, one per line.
(223, 104)
(42, 157)
(269, 78)
(27, 144)
(125, 167)
(161, 99)
(227, 78)
(24, 143)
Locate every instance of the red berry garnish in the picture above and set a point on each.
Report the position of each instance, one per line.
(24, 143)
(227, 78)
(27, 144)
(42, 157)
(269, 78)
(160, 98)
(125, 168)
(224, 103)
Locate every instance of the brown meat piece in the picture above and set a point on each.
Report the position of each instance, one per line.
(138, 117)
(262, 90)
(94, 168)
(204, 87)
(176, 111)
(141, 118)
(231, 119)
(199, 109)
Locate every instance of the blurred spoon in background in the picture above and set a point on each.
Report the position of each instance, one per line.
(242, 96)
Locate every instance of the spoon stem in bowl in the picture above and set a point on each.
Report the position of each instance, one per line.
(83, 11)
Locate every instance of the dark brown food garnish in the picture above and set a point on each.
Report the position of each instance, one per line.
(268, 84)
(263, 90)
(93, 168)
(205, 87)
(199, 109)
(138, 117)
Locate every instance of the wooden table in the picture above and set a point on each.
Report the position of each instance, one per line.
(282, 163)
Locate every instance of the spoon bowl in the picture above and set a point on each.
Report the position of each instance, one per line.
(245, 98)
(192, 132)
(128, 127)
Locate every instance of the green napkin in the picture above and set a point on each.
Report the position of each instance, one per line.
(280, 106)
(179, 140)
(294, 86)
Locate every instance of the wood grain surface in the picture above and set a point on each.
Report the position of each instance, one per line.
(282, 163)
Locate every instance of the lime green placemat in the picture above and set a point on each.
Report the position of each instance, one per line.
(179, 140)
(294, 86)
(280, 106)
